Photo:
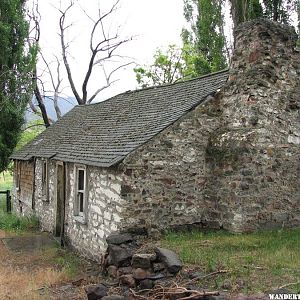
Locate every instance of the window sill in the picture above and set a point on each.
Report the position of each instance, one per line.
(80, 220)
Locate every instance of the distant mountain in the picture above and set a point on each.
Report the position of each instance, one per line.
(65, 105)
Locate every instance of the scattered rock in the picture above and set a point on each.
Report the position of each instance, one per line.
(127, 280)
(158, 267)
(142, 260)
(170, 259)
(96, 291)
(79, 282)
(146, 284)
(140, 274)
(280, 291)
(120, 238)
(112, 271)
(227, 285)
(119, 256)
(197, 274)
(156, 276)
(124, 271)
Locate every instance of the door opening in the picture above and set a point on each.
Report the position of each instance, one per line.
(60, 200)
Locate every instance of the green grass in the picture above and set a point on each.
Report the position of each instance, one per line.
(255, 262)
(6, 181)
(68, 261)
(12, 222)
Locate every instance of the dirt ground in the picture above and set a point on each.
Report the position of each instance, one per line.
(40, 274)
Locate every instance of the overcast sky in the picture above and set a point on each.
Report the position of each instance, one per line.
(155, 23)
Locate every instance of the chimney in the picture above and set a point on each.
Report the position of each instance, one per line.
(258, 142)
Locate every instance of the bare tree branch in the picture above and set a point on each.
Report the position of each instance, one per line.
(64, 54)
(108, 82)
(101, 51)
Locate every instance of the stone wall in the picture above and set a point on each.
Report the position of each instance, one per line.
(22, 196)
(234, 161)
(165, 181)
(45, 206)
(104, 205)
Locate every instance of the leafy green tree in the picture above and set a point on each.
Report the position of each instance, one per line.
(16, 63)
(280, 10)
(206, 34)
(168, 66)
(245, 10)
(277, 10)
(32, 130)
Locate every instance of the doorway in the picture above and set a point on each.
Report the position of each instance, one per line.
(60, 200)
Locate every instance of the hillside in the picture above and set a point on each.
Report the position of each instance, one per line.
(65, 105)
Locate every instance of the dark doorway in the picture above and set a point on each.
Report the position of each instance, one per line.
(60, 200)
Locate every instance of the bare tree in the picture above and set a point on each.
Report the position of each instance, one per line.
(103, 49)
(56, 82)
(34, 37)
(53, 72)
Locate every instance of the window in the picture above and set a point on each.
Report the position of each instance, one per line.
(45, 186)
(80, 193)
(18, 174)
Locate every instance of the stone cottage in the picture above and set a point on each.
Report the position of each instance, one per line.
(219, 151)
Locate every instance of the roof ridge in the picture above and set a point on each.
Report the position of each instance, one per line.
(155, 87)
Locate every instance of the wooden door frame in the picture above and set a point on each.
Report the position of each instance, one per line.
(61, 233)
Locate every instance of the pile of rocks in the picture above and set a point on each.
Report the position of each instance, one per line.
(126, 264)
(134, 269)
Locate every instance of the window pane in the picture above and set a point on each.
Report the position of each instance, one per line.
(81, 180)
(80, 202)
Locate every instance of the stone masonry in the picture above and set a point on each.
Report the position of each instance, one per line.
(234, 161)
(231, 162)
(103, 211)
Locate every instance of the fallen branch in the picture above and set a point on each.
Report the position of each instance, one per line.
(136, 295)
(254, 267)
(161, 292)
(289, 284)
(200, 295)
(207, 275)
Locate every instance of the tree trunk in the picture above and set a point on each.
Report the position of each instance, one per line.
(41, 105)
(238, 11)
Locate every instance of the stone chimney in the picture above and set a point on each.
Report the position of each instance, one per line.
(256, 150)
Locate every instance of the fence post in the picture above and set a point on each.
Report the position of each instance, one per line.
(8, 201)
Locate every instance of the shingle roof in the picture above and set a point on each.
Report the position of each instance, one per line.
(102, 134)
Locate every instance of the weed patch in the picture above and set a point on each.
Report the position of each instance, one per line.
(256, 262)
(12, 222)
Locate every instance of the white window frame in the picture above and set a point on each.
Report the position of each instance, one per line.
(45, 179)
(81, 216)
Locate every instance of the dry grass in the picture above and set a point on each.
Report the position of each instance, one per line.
(21, 275)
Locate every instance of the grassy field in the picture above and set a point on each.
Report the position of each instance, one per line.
(257, 262)
(6, 181)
